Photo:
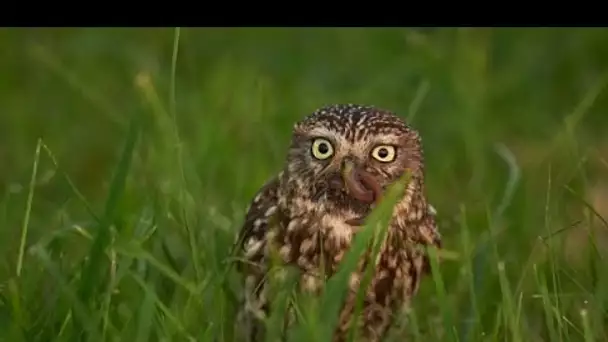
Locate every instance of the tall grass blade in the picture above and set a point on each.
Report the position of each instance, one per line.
(144, 83)
(73, 187)
(587, 327)
(179, 155)
(81, 313)
(18, 313)
(572, 120)
(483, 252)
(93, 268)
(472, 316)
(172, 102)
(508, 304)
(547, 305)
(588, 206)
(414, 326)
(161, 306)
(446, 308)
(282, 284)
(134, 250)
(421, 92)
(28, 209)
(112, 281)
(552, 254)
(147, 312)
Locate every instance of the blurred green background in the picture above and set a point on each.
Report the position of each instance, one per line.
(537, 95)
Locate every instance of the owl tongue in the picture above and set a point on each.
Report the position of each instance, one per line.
(362, 186)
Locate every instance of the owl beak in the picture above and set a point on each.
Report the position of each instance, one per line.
(359, 183)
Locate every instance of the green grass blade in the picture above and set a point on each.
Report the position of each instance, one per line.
(81, 313)
(146, 317)
(71, 184)
(108, 295)
(282, 284)
(572, 120)
(175, 321)
(445, 304)
(144, 84)
(421, 93)
(93, 269)
(508, 304)
(587, 327)
(472, 316)
(414, 326)
(28, 210)
(547, 305)
(179, 155)
(174, 55)
(134, 250)
(19, 321)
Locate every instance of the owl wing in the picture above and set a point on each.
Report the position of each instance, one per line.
(250, 248)
(261, 211)
(429, 233)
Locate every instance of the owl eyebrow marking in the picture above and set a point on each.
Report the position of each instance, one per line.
(321, 132)
(388, 139)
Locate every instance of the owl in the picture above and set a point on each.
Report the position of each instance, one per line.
(340, 161)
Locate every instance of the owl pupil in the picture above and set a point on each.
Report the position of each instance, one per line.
(383, 153)
(323, 148)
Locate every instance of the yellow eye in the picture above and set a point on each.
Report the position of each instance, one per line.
(322, 149)
(384, 153)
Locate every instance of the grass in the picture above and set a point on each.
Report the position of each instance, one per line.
(130, 156)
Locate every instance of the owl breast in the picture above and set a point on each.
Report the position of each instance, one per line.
(317, 246)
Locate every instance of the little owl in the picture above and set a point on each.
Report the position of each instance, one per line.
(340, 161)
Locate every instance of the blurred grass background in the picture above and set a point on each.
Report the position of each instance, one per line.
(520, 112)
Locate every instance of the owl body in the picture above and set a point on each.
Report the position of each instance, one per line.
(340, 161)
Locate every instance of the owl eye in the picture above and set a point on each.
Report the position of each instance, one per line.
(322, 149)
(384, 153)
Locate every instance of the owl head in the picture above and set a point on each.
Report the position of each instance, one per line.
(343, 157)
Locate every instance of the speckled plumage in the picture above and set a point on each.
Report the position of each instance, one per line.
(312, 209)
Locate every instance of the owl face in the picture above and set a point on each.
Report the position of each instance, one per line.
(343, 157)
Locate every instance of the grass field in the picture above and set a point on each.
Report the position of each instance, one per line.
(128, 157)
